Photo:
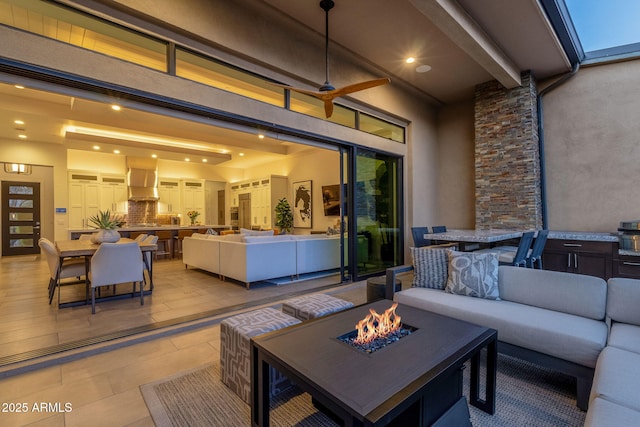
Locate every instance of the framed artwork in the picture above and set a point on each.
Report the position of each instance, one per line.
(302, 209)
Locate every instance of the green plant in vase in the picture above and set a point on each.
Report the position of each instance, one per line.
(107, 224)
(284, 216)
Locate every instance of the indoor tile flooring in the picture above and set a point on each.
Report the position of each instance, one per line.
(99, 385)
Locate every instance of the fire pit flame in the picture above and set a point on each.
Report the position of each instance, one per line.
(375, 325)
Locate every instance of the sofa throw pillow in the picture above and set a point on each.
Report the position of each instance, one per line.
(430, 267)
(473, 274)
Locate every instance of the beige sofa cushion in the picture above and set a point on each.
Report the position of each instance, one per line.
(623, 300)
(577, 294)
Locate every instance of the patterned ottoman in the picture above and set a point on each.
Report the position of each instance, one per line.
(316, 305)
(235, 359)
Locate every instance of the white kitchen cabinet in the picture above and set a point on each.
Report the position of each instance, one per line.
(84, 198)
(169, 196)
(265, 193)
(113, 194)
(193, 199)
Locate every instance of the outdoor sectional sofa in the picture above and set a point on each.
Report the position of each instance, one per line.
(615, 394)
(549, 318)
(252, 258)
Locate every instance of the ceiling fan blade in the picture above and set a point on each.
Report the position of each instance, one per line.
(360, 86)
(328, 107)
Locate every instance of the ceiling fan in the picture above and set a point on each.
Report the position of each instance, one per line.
(327, 93)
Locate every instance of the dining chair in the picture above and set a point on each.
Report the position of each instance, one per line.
(148, 258)
(70, 268)
(535, 256)
(115, 263)
(139, 237)
(418, 236)
(519, 256)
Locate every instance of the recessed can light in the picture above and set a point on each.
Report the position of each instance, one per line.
(22, 136)
(186, 159)
(204, 160)
(423, 68)
(410, 60)
(96, 147)
(116, 151)
(240, 154)
(18, 122)
(116, 107)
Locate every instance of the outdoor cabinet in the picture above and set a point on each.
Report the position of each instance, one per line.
(581, 257)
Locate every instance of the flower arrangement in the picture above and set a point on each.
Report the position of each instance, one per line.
(193, 215)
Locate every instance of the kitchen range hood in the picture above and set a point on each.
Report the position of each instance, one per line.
(142, 179)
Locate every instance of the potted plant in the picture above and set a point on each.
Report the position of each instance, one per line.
(284, 216)
(107, 224)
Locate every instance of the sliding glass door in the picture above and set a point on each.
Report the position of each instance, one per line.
(374, 202)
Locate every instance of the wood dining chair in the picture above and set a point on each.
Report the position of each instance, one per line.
(115, 263)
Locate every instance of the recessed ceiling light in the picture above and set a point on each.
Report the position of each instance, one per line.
(116, 107)
(240, 154)
(116, 151)
(155, 156)
(410, 60)
(186, 159)
(18, 86)
(204, 160)
(18, 122)
(423, 68)
(261, 136)
(96, 147)
(22, 136)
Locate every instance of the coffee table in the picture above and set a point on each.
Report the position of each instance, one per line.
(413, 381)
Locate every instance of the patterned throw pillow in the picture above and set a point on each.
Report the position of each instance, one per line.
(430, 267)
(473, 274)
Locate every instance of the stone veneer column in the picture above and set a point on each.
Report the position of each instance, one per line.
(507, 166)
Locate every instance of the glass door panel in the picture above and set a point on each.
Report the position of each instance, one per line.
(21, 218)
(376, 207)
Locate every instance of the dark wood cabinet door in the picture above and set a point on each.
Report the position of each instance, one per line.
(555, 260)
(592, 263)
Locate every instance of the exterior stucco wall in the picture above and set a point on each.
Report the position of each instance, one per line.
(592, 150)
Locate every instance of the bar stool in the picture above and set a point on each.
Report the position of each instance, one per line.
(165, 238)
(177, 245)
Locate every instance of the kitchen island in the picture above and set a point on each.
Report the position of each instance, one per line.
(127, 230)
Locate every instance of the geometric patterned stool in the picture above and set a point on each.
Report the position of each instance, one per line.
(235, 358)
(315, 305)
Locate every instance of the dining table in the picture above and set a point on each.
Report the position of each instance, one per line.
(86, 248)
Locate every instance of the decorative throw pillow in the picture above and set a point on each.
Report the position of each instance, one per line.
(473, 274)
(430, 267)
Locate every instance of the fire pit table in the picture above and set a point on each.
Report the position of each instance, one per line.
(415, 380)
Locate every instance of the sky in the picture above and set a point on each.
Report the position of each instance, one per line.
(603, 24)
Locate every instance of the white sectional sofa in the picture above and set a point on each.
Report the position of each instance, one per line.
(549, 318)
(251, 258)
(615, 395)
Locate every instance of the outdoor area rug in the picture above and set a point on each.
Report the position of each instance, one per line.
(527, 396)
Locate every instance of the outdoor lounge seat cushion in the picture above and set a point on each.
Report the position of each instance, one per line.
(617, 378)
(566, 336)
(604, 413)
(624, 336)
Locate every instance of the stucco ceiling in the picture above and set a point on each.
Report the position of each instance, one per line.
(465, 42)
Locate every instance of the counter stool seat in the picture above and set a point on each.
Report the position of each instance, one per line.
(177, 244)
(315, 305)
(235, 349)
(165, 239)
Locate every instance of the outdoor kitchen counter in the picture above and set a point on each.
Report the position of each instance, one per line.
(124, 231)
(583, 235)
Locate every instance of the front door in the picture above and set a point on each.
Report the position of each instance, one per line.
(20, 218)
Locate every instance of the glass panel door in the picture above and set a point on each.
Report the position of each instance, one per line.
(20, 218)
(377, 209)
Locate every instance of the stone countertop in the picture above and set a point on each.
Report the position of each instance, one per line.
(152, 227)
(583, 235)
(628, 252)
(476, 236)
